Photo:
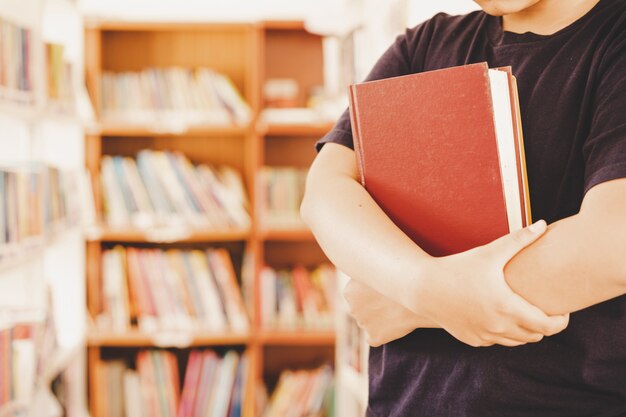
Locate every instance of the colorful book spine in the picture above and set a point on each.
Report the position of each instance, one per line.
(212, 385)
(183, 290)
(183, 96)
(15, 60)
(281, 193)
(165, 189)
(34, 201)
(21, 344)
(298, 297)
(303, 393)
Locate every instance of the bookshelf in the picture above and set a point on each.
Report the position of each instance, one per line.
(249, 54)
(41, 135)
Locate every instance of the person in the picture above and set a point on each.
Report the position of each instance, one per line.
(534, 323)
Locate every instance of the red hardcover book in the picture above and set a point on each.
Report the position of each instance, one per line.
(191, 384)
(441, 152)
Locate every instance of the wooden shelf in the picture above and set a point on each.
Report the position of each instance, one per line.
(140, 130)
(123, 25)
(297, 337)
(166, 236)
(288, 235)
(249, 53)
(301, 130)
(163, 339)
(284, 24)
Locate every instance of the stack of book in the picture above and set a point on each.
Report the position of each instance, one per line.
(213, 386)
(20, 339)
(282, 190)
(303, 394)
(15, 61)
(34, 201)
(200, 96)
(166, 189)
(298, 298)
(60, 88)
(170, 290)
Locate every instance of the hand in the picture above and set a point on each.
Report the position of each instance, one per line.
(467, 295)
(382, 319)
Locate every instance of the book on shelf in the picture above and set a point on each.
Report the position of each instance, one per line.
(165, 189)
(21, 332)
(281, 193)
(176, 96)
(298, 297)
(16, 72)
(303, 393)
(213, 385)
(60, 89)
(442, 153)
(35, 200)
(170, 290)
(281, 93)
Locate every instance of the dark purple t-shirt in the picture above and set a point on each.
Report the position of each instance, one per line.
(572, 87)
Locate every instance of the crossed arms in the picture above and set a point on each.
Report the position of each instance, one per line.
(515, 290)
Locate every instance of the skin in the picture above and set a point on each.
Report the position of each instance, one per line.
(513, 291)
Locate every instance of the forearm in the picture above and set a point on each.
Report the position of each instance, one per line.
(580, 261)
(359, 238)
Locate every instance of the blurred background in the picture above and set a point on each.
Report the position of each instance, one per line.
(152, 161)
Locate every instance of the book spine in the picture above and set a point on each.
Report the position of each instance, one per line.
(222, 268)
(356, 133)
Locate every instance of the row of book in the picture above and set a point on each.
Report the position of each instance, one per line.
(15, 57)
(160, 188)
(34, 200)
(184, 95)
(213, 385)
(183, 290)
(298, 298)
(303, 393)
(59, 75)
(281, 192)
(21, 337)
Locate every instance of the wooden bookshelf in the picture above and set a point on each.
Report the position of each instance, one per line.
(36, 247)
(205, 131)
(249, 54)
(299, 338)
(168, 236)
(288, 235)
(294, 130)
(164, 340)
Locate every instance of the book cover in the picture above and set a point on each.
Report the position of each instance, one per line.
(428, 152)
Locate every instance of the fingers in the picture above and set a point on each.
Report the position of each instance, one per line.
(535, 320)
(503, 341)
(521, 335)
(508, 246)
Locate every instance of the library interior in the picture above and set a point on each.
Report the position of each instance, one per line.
(153, 158)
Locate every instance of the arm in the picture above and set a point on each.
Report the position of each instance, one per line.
(581, 260)
(578, 263)
(371, 245)
(474, 304)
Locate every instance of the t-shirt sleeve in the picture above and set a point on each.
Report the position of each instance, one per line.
(604, 150)
(394, 62)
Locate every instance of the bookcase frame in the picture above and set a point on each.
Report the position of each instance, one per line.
(270, 49)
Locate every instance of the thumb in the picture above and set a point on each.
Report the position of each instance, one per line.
(509, 245)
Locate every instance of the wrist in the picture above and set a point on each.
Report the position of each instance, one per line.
(415, 295)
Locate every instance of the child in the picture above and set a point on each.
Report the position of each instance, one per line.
(486, 332)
